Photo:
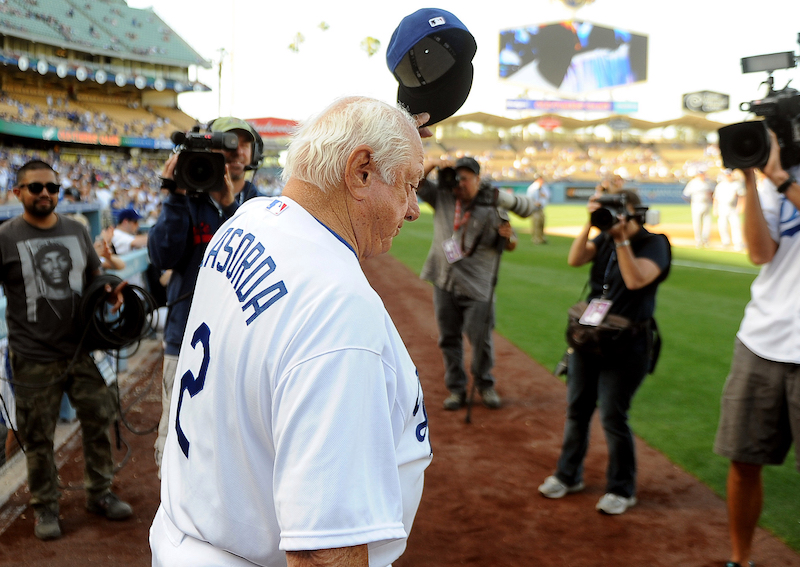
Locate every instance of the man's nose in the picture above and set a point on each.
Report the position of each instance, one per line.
(412, 213)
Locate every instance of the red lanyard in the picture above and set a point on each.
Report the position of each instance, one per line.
(458, 220)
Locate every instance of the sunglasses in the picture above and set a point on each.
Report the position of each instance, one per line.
(37, 187)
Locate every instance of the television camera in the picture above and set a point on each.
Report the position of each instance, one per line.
(747, 144)
(199, 169)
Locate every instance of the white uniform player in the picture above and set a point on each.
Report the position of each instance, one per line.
(298, 420)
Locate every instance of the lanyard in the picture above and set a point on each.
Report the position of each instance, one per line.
(458, 220)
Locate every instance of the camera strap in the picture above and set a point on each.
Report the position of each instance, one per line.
(611, 261)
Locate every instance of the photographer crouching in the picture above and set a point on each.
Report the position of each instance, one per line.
(206, 182)
(607, 364)
(471, 230)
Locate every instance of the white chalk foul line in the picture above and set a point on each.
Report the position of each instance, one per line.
(715, 267)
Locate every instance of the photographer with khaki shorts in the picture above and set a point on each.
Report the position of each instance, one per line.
(761, 399)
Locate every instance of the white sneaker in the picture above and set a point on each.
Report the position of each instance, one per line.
(615, 504)
(554, 488)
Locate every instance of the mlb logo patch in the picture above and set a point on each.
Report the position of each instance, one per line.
(437, 21)
(276, 207)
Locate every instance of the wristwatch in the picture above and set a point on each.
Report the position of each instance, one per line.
(785, 185)
(625, 242)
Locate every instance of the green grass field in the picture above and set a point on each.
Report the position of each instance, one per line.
(699, 309)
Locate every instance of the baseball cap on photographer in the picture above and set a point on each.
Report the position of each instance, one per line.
(229, 123)
(468, 163)
(430, 55)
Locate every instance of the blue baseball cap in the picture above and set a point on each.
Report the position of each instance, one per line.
(128, 214)
(430, 55)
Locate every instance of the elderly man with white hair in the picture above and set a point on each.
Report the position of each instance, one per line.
(298, 434)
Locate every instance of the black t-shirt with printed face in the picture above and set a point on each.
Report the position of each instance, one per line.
(637, 305)
(44, 273)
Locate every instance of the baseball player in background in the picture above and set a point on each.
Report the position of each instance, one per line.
(298, 431)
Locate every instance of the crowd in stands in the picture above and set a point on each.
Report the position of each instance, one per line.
(115, 182)
(570, 161)
(60, 112)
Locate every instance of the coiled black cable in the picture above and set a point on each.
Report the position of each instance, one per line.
(114, 331)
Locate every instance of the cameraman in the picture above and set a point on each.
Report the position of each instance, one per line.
(628, 264)
(469, 236)
(178, 240)
(761, 399)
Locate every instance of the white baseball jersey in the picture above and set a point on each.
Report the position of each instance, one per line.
(297, 417)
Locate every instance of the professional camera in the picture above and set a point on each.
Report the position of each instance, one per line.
(199, 169)
(518, 204)
(614, 204)
(747, 144)
(448, 178)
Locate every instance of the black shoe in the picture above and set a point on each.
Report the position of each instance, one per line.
(454, 401)
(45, 525)
(110, 506)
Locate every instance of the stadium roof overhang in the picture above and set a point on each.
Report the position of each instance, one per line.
(621, 122)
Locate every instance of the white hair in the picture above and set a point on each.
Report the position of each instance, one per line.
(320, 148)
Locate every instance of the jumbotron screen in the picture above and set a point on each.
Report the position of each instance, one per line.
(572, 57)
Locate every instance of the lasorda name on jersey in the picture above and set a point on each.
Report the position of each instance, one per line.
(239, 257)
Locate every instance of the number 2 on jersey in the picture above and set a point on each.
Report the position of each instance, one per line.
(191, 384)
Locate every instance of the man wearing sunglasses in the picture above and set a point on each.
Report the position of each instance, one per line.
(46, 262)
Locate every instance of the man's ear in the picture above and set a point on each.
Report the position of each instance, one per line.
(16, 190)
(359, 171)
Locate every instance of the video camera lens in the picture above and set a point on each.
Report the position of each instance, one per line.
(611, 206)
(744, 145)
(199, 169)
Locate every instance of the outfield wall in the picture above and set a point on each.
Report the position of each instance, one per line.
(579, 191)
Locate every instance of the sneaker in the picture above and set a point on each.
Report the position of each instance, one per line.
(615, 504)
(110, 506)
(554, 488)
(454, 401)
(490, 398)
(46, 525)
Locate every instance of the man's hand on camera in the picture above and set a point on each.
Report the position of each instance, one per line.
(623, 229)
(168, 174)
(773, 168)
(224, 197)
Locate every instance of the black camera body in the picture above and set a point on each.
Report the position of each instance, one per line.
(611, 206)
(199, 168)
(518, 204)
(747, 144)
(447, 178)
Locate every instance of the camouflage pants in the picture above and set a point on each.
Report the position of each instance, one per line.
(39, 389)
